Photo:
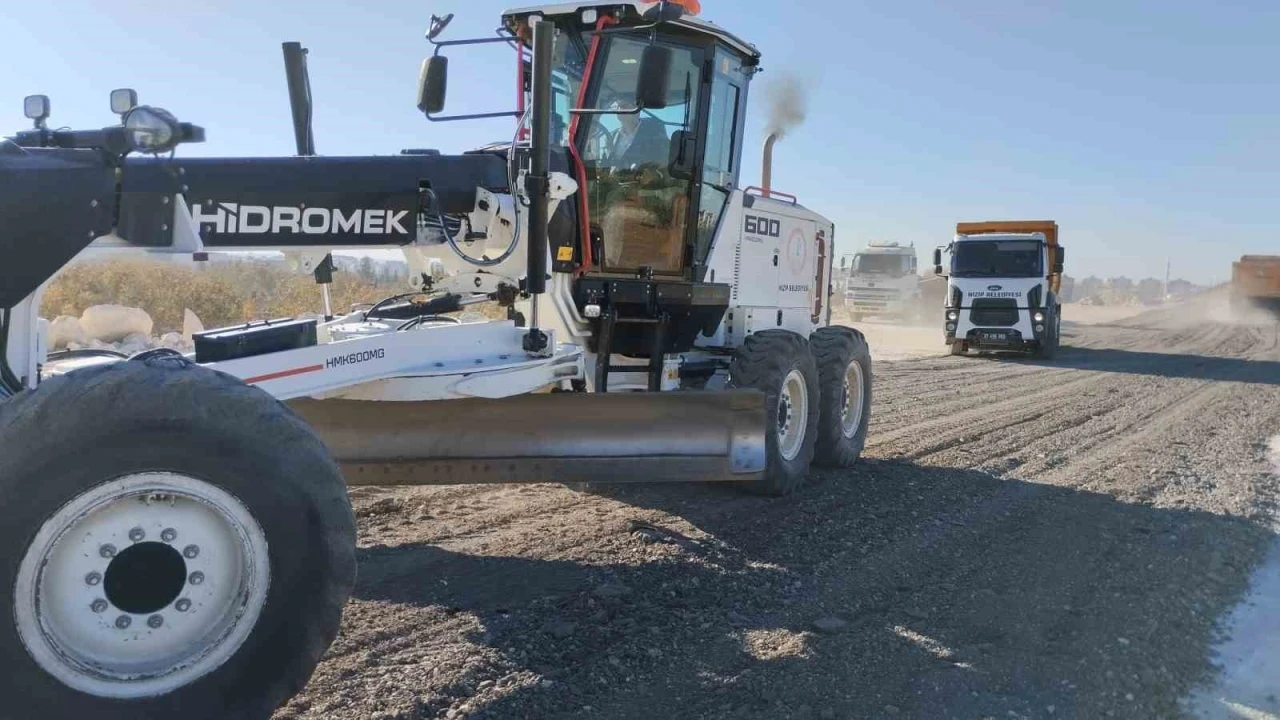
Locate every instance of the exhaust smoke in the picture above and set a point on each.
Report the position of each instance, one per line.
(788, 102)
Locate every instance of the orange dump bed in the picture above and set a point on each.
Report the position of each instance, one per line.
(1256, 276)
(1048, 227)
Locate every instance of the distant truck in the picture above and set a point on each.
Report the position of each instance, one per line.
(1255, 282)
(882, 279)
(1004, 280)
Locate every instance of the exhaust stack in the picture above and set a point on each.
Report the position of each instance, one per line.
(766, 168)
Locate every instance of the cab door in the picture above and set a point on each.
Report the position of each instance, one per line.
(722, 152)
(640, 206)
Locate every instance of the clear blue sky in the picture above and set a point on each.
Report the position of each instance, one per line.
(1147, 129)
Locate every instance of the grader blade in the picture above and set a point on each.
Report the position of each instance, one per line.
(557, 437)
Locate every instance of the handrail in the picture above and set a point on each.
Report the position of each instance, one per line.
(761, 192)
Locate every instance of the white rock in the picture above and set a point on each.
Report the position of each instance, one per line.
(135, 343)
(65, 330)
(174, 341)
(113, 323)
(190, 325)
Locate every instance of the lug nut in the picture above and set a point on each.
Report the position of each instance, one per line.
(168, 535)
(98, 606)
(155, 621)
(196, 578)
(92, 578)
(107, 551)
(124, 621)
(190, 551)
(183, 605)
(137, 534)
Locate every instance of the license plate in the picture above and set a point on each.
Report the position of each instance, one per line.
(998, 336)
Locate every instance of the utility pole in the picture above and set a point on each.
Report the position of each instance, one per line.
(1168, 263)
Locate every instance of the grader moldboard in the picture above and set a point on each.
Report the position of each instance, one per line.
(192, 555)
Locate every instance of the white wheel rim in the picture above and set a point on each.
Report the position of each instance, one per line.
(851, 412)
(793, 415)
(100, 603)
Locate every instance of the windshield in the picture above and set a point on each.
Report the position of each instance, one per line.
(996, 258)
(895, 265)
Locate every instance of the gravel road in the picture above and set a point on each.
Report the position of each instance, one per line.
(1022, 539)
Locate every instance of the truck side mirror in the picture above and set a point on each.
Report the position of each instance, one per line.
(681, 162)
(937, 261)
(1057, 262)
(433, 80)
(654, 78)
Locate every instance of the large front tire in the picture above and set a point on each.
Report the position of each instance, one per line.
(779, 364)
(176, 545)
(844, 376)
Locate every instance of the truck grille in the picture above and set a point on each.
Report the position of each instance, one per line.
(871, 298)
(994, 312)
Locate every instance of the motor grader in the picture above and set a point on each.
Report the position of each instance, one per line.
(178, 540)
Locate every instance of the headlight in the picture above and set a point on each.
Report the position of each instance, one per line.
(952, 315)
(152, 130)
(1038, 317)
(951, 327)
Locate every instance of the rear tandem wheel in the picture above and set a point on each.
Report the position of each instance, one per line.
(779, 364)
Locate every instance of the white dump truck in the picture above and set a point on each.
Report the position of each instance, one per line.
(882, 280)
(1003, 287)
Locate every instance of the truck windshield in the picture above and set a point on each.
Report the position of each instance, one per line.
(895, 265)
(996, 258)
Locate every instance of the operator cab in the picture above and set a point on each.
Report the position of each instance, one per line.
(655, 181)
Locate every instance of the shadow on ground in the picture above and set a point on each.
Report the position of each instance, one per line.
(1171, 365)
(942, 593)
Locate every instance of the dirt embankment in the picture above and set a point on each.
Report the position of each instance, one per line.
(1022, 539)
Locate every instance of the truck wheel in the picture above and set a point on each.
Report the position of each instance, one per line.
(844, 377)
(957, 347)
(779, 364)
(1048, 348)
(176, 544)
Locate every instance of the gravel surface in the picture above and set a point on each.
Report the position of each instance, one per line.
(1022, 540)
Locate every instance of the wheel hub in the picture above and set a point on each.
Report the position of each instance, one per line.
(141, 585)
(851, 404)
(793, 414)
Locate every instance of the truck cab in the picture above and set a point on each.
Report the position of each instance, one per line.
(1002, 290)
(882, 279)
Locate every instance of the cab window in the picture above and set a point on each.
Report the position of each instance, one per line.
(641, 209)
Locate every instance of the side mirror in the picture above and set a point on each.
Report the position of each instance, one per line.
(681, 160)
(438, 24)
(937, 261)
(654, 77)
(123, 100)
(1057, 262)
(433, 80)
(36, 107)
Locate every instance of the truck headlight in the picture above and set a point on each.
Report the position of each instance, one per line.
(152, 130)
(951, 327)
(1038, 317)
(952, 315)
